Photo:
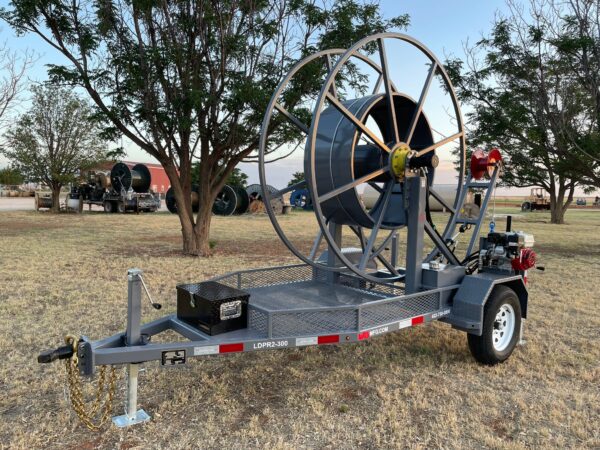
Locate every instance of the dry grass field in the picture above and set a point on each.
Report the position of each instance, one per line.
(418, 388)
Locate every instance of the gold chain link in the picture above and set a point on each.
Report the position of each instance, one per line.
(76, 391)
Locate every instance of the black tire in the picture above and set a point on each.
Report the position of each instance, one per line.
(482, 347)
(121, 207)
(108, 207)
(526, 206)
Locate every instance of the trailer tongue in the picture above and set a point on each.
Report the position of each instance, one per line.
(350, 285)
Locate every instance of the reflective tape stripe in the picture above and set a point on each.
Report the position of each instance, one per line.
(405, 323)
(231, 348)
(418, 320)
(208, 350)
(330, 339)
(300, 342)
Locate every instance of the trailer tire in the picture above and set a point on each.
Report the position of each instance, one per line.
(501, 328)
(108, 207)
(121, 207)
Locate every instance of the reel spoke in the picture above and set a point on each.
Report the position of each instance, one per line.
(315, 246)
(367, 252)
(389, 266)
(377, 84)
(338, 191)
(376, 187)
(293, 119)
(417, 114)
(358, 231)
(382, 246)
(392, 122)
(329, 65)
(361, 126)
(440, 143)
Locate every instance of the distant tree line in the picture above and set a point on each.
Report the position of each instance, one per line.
(534, 88)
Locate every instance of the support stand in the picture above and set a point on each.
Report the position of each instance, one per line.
(133, 415)
(522, 340)
(414, 240)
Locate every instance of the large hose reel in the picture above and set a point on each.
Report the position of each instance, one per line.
(377, 138)
(137, 178)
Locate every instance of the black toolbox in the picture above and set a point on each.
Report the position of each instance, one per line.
(212, 307)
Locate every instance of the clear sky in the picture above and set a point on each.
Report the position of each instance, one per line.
(441, 25)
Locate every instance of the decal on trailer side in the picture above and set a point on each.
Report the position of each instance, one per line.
(270, 344)
(173, 357)
(440, 314)
(379, 330)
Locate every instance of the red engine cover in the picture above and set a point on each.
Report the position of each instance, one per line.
(526, 261)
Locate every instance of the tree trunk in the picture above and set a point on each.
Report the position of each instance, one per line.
(557, 214)
(202, 228)
(56, 198)
(194, 234)
(558, 204)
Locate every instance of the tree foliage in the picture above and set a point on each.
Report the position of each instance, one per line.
(188, 80)
(297, 177)
(10, 176)
(55, 139)
(528, 98)
(13, 66)
(235, 178)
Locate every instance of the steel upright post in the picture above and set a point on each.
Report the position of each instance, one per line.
(133, 337)
(416, 231)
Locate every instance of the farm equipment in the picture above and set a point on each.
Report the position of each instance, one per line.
(538, 200)
(353, 283)
(119, 190)
(300, 198)
(231, 200)
(256, 193)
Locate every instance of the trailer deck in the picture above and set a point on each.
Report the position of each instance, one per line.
(289, 306)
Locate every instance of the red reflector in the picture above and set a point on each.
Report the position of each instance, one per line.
(364, 335)
(418, 320)
(231, 348)
(331, 339)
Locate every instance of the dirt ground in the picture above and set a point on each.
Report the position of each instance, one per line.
(418, 388)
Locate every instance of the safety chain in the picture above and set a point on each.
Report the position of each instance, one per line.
(76, 391)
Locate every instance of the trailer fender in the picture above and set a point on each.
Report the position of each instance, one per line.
(470, 299)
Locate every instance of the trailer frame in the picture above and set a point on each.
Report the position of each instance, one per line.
(373, 310)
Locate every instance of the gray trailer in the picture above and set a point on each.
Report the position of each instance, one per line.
(351, 283)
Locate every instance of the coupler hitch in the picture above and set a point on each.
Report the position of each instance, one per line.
(47, 356)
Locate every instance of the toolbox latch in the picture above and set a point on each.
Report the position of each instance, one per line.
(231, 310)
